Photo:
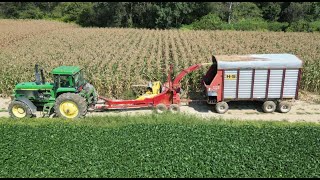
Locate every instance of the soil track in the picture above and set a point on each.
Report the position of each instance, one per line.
(302, 111)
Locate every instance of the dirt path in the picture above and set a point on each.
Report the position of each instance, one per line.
(302, 111)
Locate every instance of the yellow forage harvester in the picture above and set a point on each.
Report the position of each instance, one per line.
(153, 89)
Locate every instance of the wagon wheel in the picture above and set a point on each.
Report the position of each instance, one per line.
(269, 106)
(284, 107)
(161, 108)
(221, 107)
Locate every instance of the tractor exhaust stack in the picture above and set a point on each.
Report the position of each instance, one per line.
(37, 74)
(42, 76)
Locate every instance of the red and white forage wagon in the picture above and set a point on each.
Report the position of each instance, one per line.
(271, 78)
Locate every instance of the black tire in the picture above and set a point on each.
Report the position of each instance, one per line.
(161, 108)
(174, 108)
(284, 107)
(269, 107)
(221, 107)
(95, 95)
(95, 99)
(25, 107)
(79, 101)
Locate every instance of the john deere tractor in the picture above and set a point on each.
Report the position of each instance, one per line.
(69, 96)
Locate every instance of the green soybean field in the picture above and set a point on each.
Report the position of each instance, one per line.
(158, 146)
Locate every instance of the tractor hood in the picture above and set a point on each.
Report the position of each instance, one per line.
(33, 86)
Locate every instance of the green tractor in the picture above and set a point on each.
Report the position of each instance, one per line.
(69, 96)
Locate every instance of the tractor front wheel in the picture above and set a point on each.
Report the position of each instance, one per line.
(70, 105)
(18, 109)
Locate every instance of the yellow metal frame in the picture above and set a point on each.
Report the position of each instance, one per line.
(155, 91)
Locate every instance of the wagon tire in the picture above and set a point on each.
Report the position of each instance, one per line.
(269, 107)
(71, 106)
(284, 107)
(174, 108)
(221, 107)
(18, 109)
(161, 108)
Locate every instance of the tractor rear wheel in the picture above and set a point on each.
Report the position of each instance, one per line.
(284, 107)
(70, 105)
(222, 107)
(161, 108)
(18, 109)
(269, 106)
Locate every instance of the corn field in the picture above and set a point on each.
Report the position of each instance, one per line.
(116, 58)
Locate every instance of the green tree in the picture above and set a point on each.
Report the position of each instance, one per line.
(295, 12)
(109, 14)
(315, 10)
(87, 16)
(69, 11)
(221, 9)
(33, 10)
(210, 22)
(46, 7)
(144, 14)
(11, 9)
(199, 10)
(299, 26)
(30, 11)
(246, 10)
(174, 14)
(270, 10)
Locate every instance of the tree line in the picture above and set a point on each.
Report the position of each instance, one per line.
(299, 16)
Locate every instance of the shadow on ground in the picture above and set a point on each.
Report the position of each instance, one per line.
(233, 105)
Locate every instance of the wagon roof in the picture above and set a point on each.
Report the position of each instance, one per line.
(259, 61)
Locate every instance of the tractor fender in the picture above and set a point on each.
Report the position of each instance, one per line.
(28, 103)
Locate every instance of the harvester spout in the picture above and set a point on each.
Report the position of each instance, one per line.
(37, 75)
(176, 81)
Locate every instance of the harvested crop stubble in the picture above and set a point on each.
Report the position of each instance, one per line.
(116, 58)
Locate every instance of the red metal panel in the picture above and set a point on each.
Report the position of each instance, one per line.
(282, 83)
(165, 97)
(217, 85)
(209, 73)
(298, 83)
(267, 86)
(252, 83)
(222, 86)
(237, 88)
